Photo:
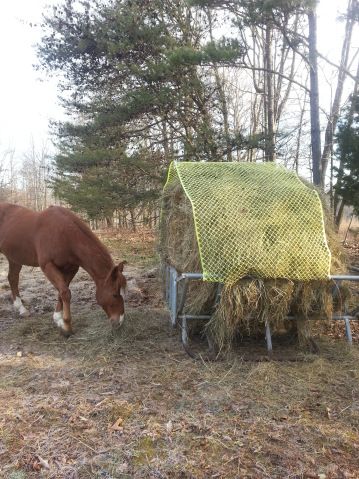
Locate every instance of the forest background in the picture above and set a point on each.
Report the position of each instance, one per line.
(147, 82)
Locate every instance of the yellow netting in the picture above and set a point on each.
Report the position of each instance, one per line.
(254, 219)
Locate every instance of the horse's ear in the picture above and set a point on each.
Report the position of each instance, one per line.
(114, 273)
(121, 265)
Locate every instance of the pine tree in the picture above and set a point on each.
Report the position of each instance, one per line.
(139, 100)
(347, 152)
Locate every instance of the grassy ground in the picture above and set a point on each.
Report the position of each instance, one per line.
(137, 248)
(134, 405)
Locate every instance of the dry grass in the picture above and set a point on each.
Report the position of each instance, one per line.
(132, 405)
(136, 247)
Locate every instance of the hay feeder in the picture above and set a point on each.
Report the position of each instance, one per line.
(175, 282)
(229, 226)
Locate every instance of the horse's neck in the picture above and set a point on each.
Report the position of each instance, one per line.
(95, 259)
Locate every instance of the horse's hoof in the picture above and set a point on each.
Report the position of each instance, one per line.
(20, 308)
(66, 334)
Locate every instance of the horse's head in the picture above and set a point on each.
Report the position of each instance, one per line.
(111, 295)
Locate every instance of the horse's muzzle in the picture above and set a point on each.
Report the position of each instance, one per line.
(117, 321)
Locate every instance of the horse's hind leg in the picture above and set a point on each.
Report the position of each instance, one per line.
(57, 278)
(13, 277)
(58, 314)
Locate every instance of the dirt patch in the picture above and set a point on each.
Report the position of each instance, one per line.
(133, 405)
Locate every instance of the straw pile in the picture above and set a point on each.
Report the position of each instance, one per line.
(245, 306)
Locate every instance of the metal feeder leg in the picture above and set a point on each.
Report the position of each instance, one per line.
(168, 284)
(348, 331)
(269, 338)
(173, 296)
(183, 297)
(184, 333)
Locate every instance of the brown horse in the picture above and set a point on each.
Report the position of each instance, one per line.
(60, 242)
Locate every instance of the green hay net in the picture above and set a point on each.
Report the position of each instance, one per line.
(254, 219)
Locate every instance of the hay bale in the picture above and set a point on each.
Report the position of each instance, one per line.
(246, 306)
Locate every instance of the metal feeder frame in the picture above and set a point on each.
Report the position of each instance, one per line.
(176, 301)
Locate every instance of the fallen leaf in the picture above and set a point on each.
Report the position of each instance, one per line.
(117, 426)
(169, 427)
(36, 466)
(43, 462)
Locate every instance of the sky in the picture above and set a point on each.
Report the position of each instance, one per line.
(28, 99)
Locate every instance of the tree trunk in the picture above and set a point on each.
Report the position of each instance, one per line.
(269, 97)
(133, 221)
(299, 137)
(221, 95)
(334, 114)
(339, 215)
(314, 99)
(165, 142)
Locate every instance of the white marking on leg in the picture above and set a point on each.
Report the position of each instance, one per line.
(122, 318)
(20, 307)
(58, 319)
(124, 292)
(17, 303)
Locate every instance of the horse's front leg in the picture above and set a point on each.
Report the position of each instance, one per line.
(57, 278)
(58, 313)
(13, 277)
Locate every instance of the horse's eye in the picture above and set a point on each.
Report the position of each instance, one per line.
(115, 295)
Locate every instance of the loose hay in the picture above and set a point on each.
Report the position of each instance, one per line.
(246, 306)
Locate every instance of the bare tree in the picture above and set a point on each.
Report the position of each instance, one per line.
(9, 187)
(34, 172)
(335, 109)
